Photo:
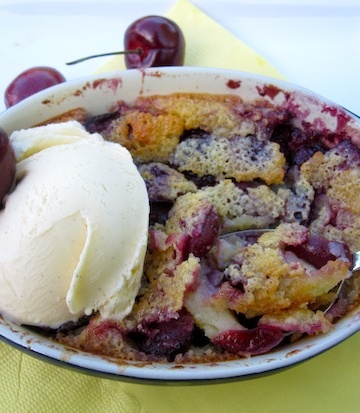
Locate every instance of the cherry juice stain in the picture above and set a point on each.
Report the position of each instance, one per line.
(233, 84)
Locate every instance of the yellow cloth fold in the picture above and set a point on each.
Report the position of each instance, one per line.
(327, 383)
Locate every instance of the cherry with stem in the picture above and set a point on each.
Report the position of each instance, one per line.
(151, 41)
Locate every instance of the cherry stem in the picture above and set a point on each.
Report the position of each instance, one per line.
(135, 51)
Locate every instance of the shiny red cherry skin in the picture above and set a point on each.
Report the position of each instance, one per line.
(31, 81)
(7, 165)
(160, 40)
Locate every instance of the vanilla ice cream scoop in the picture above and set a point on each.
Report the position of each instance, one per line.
(73, 233)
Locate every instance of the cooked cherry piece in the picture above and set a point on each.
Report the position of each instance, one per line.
(165, 338)
(204, 234)
(31, 81)
(151, 41)
(160, 40)
(7, 165)
(317, 251)
(258, 340)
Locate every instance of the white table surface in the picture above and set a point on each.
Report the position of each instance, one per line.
(314, 43)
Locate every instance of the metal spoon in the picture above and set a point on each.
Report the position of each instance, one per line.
(355, 257)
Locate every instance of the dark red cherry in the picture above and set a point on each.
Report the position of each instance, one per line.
(150, 41)
(160, 40)
(317, 251)
(7, 165)
(258, 340)
(31, 81)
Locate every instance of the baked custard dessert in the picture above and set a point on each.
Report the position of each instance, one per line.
(212, 165)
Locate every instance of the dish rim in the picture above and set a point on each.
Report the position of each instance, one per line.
(51, 101)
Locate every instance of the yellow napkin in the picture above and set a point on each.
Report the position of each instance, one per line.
(327, 383)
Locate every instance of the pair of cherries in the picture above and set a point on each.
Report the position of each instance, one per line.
(151, 41)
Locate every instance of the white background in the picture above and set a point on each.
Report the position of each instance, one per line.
(315, 44)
